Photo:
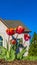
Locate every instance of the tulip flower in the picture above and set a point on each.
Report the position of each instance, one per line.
(13, 41)
(26, 37)
(19, 29)
(10, 31)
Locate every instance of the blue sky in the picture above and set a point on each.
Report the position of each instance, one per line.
(24, 10)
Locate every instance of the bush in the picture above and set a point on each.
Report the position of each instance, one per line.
(33, 50)
(33, 46)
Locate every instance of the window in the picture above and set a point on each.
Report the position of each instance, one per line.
(1, 41)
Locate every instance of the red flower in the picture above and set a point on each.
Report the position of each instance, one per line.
(13, 41)
(10, 31)
(19, 29)
(26, 37)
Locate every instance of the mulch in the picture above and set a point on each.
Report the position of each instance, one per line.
(18, 62)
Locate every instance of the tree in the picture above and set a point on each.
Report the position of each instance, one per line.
(34, 38)
(33, 46)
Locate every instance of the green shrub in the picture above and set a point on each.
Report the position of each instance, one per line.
(33, 50)
(33, 46)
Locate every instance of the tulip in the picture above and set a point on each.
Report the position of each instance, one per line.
(19, 29)
(13, 41)
(26, 37)
(11, 31)
(8, 31)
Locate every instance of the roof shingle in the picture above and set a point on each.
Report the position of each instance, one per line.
(14, 24)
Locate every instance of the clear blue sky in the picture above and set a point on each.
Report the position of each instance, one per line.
(24, 10)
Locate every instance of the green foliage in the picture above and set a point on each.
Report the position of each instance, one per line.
(2, 52)
(12, 54)
(33, 46)
(30, 58)
(7, 55)
(20, 54)
(33, 50)
(34, 38)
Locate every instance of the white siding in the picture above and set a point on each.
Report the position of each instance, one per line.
(3, 33)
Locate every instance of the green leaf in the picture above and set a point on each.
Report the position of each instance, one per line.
(2, 52)
(12, 54)
(20, 54)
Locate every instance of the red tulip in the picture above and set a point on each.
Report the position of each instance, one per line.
(26, 37)
(13, 41)
(19, 29)
(29, 36)
(10, 31)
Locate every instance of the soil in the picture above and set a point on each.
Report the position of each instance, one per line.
(18, 62)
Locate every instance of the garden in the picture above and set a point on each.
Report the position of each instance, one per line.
(13, 54)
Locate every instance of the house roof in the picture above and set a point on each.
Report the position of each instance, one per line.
(14, 24)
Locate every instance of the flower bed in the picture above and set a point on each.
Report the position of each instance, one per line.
(18, 62)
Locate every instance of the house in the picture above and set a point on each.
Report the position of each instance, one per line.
(4, 24)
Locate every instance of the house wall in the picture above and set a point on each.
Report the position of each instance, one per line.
(3, 34)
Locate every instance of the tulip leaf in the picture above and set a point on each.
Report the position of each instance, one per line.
(12, 54)
(20, 54)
